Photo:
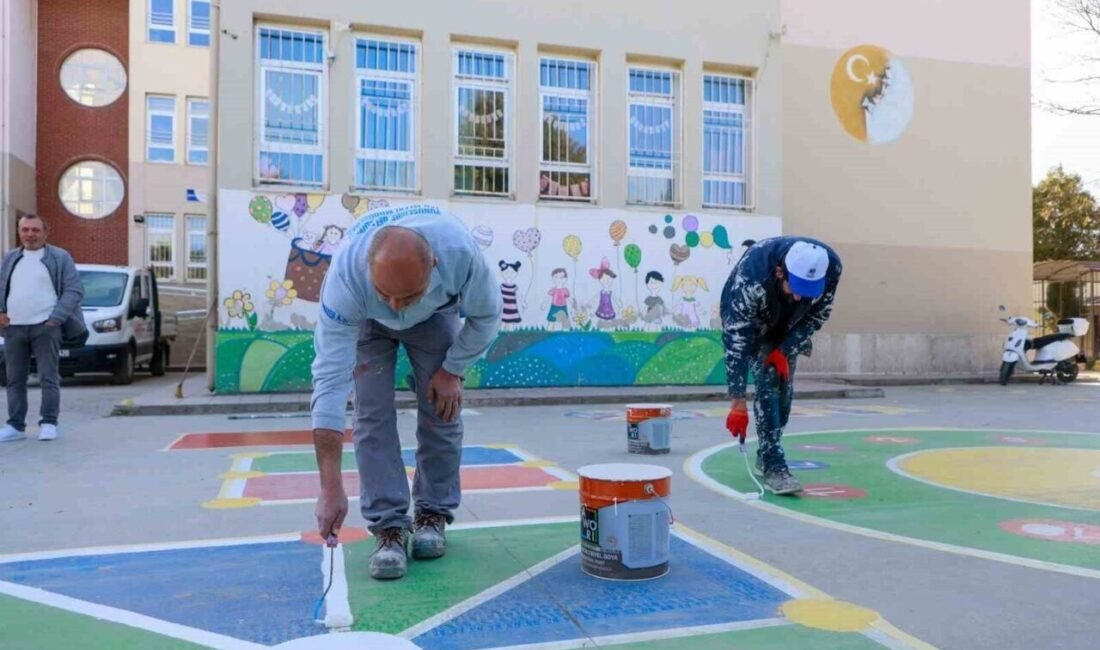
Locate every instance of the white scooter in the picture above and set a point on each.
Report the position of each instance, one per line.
(1055, 357)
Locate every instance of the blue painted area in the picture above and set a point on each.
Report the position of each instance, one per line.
(473, 456)
(258, 592)
(700, 589)
(806, 464)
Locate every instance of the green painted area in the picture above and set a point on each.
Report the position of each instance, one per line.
(784, 637)
(476, 560)
(900, 505)
(25, 624)
(296, 462)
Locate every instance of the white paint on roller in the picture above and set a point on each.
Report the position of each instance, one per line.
(625, 472)
(349, 641)
(337, 608)
(131, 619)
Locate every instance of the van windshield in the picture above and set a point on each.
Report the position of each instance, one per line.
(103, 288)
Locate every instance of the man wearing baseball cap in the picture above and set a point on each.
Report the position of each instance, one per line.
(777, 296)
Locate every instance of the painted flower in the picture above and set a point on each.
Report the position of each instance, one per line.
(630, 313)
(581, 317)
(282, 293)
(239, 304)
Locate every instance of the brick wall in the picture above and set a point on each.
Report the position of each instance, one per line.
(69, 132)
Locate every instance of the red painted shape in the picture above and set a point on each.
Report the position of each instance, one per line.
(284, 487)
(348, 535)
(1054, 530)
(833, 491)
(246, 439)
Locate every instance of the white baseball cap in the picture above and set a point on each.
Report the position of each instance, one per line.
(807, 265)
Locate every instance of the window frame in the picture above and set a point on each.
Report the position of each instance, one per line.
(188, 264)
(150, 27)
(205, 149)
(415, 81)
(150, 112)
(260, 107)
(592, 96)
(749, 129)
(508, 86)
(70, 63)
(676, 102)
(102, 184)
(170, 233)
(191, 30)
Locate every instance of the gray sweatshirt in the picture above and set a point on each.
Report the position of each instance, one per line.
(348, 298)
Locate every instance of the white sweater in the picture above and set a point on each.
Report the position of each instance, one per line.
(31, 298)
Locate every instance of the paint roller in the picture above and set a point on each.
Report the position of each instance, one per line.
(335, 597)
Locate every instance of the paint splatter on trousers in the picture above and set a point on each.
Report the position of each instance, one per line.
(772, 409)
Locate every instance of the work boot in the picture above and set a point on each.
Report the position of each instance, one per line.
(780, 481)
(759, 465)
(428, 539)
(390, 558)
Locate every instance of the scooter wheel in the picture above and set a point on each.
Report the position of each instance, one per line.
(1007, 368)
(1066, 371)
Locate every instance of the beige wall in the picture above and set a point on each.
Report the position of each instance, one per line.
(934, 227)
(182, 71)
(18, 85)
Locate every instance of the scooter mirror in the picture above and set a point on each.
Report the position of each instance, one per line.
(1000, 308)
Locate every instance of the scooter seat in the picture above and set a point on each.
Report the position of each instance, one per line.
(1043, 341)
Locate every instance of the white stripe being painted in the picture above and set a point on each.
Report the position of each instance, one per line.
(537, 521)
(130, 619)
(147, 548)
(488, 594)
(655, 635)
(337, 607)
(693, 467)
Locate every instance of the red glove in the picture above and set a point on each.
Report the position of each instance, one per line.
(779, 361)
(737, 422)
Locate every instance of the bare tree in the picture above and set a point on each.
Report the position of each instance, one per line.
(1083, 17)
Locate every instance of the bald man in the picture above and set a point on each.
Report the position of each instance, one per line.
(399, 279)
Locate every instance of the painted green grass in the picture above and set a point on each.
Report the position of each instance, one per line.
(900, 505)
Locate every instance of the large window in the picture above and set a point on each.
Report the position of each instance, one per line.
(386, 125)
(567, 113)
(91, 189)
(93, 77)
(160, 129)
(162, 21)
(198, 131)
(198, 25)
(483, 119)
(291, 106)
(196, 247)
(727, 141)
(653, 175)
(160, 235)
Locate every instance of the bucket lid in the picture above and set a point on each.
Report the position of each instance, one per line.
(650, 407)
(624, 472)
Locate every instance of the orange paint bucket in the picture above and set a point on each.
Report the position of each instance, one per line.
(625, 521)
(648, 428)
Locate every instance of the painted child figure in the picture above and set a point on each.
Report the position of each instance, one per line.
(558, 300)
(605, 301)
(329, 241)
(655, 309)
(688, 311)
(510, 316)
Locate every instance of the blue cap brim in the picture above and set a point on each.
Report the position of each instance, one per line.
(806, 288)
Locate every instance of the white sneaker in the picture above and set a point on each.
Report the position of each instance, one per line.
(11, 434)
(48, 432)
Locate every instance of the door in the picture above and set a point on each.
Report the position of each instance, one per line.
(142, 310)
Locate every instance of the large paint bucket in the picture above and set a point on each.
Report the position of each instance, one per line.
(624, 521)
(648, 428)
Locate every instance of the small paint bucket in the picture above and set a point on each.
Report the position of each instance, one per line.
(624, 521)
(648, 428)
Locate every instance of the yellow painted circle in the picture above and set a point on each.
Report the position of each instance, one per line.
(871, 94)
(229, 504)
(1057, 477)
(831, 615)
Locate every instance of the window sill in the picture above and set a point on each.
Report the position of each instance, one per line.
(288, 188)
(367, 192)
(160, 162)
(559, 203)
(495, 198)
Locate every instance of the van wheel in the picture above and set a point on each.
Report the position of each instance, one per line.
(124, 370)
(159, 365)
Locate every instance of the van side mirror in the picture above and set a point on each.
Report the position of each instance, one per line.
(141, 308)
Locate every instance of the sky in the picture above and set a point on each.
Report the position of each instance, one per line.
(1072, 141)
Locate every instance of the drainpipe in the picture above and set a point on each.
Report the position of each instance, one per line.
(212, 200)
(5, 141)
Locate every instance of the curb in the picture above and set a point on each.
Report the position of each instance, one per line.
(128, 408)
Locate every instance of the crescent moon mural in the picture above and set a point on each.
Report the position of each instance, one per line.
(872, 94)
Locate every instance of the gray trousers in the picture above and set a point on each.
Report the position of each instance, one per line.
(20, 341)
(383, 483)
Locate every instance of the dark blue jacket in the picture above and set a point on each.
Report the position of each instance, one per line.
(751, 309)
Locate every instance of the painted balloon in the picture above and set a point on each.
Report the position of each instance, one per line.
(572, 246)
(722, 238)
(350, 202)
(633, 256)
(301, 205)
(617, 231)
(653, 230)
(260, 209)
(286, 203)
(281, 221)
(361, 208)
(668, 218)
(315, 201)
(483, 235)
(527, 240)
(670, 232)
(678, 253)
(706, 239)
(692, 239)
(691, 223)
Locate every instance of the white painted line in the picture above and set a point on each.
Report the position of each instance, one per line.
(146, 548)
(537, 488)
(131, 619)
(654, 635)
(561, 473)
(537, 521)
(488, 594)
(337, 609)
(693, 467)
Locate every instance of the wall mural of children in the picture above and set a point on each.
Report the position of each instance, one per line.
(330, 239)
(558, 300)
(605, 301)
(655, 309)
(510, 316)
(687, 312)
